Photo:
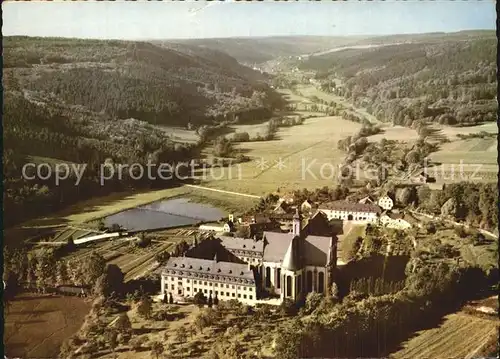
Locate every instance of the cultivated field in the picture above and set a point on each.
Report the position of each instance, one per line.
(452, 132)
(477, 155)
(284, 162)
(253, 129)
(459, 336)
(36, 326)
(134, 262)
(396, 133)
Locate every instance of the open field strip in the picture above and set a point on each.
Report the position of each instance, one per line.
(311, 90)
(178, 134)
(396, 133)
(479, 161)
(455, 338)
(452, 132)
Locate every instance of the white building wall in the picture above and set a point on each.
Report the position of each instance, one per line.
(187, 287)
(386, 203)
(363, 217)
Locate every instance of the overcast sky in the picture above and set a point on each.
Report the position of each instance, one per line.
(171, 19)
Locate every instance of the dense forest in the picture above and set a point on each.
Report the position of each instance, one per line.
(88, 101)
(449, 80)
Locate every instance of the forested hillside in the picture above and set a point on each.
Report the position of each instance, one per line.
(446, 79)
(85, 101)
(258, 50)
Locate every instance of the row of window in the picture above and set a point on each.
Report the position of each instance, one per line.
(210, 284)
(227, 294)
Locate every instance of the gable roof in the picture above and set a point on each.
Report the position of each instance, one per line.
(276, 246)
(242, 244)
(316, 250)
(189, 265)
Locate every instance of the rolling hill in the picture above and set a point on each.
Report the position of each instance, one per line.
(85, 101)
(445, 78)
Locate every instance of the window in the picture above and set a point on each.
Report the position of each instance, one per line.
(173, 287)
(232, 286)
(227, 285)
(239, 295)
(179, 292)
(232, 295)
(210, 283)
(321, 282)
(187, 289)
(244, 296)
(210, 291)
(187, 280)
(195, 290)
(227, 293)
(216, 285)
(204, 283)
(205, 290)
(194, 282)
(216, 292)
(250, 297)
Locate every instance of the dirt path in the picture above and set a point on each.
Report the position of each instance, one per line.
(222, 191)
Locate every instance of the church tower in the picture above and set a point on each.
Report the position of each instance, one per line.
(296, 223)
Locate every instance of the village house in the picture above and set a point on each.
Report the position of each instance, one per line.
(286, 264)
(385, 202)
(349, 211)
(217, 228)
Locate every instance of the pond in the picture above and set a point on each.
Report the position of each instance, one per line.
(164, 214)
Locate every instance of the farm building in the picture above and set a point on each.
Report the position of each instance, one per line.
(290, 264)
(225, 228)
(348, 211)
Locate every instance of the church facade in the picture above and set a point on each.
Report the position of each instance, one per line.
(288, 265)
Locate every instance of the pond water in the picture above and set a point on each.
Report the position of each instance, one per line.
(164, 214)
